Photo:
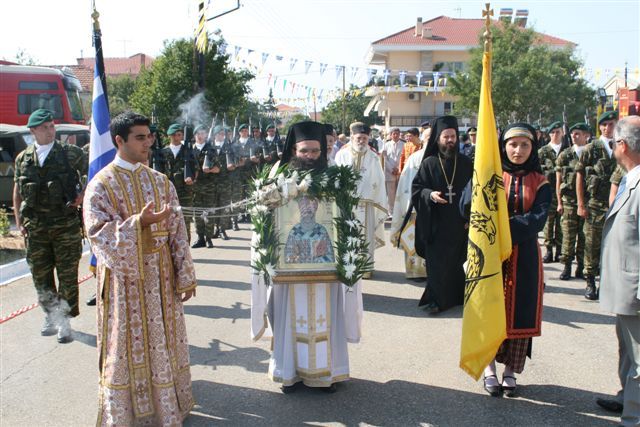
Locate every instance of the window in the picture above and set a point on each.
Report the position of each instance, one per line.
(38, 85)
(75, 105)
(448, 107)
(27, 104)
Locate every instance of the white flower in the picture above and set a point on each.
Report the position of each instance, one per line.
(294, 176)
(255, 240)
(305, 183)
(258, 182)
(353, 241)
(324, 178)
(261, 208)
(289, 189)
(262, 252)
(337, 184)
(353, 223)
(271, 270)
(349, 256)
(349, 269)
(280, 179)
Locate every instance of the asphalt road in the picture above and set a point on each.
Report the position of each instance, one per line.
(404, 372)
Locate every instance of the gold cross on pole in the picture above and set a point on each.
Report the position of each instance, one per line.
(487, 13)
(301, 322)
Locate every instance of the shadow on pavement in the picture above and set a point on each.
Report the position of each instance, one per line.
(84, 338)
(216, 312)
(222, 262)
(394, 403)
(406, 307)
(220, 353)
(550, 289)
(238, 286)
(570, 318)
(394, 277)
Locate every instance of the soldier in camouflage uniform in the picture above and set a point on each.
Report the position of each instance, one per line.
(592, 190)
(571, 223)
(223, 166)
(548, 155)
(273, 143)
(247, 158)
(203, 189)
(46, 195)
(175, 157)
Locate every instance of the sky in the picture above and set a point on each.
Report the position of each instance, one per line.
(330, 32)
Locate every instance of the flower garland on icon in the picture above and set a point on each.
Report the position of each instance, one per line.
(272, 190)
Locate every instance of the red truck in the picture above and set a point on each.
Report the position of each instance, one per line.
(24, 89)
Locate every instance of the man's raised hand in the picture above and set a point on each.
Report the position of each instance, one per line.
(148, 216)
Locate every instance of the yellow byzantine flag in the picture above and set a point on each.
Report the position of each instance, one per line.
(201, 30)
(484, 319)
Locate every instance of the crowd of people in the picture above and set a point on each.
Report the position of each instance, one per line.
(578, 190)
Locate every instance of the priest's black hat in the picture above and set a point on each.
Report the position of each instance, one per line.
(328, 129)
(441, 124)
(302, 131)
(359, 127)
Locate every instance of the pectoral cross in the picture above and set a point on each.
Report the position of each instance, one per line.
(450, 194)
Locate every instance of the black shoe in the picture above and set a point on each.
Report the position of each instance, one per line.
(591, 293)
(331, 389)
(548, 257)
(288, 389)
(432, 308)
(216, 234)
(558, 255)
(509, 391)
(493, 390)
(200, 243)
(566, 273)
(610, 405)
(92, 301)
(235, 227)
(579, 272)
(224, 234)
(48, 327)
(209, 242)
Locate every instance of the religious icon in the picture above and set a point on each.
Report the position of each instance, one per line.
(307, 233)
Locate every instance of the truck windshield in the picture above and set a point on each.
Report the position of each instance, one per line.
(75, 104)
(28, 103)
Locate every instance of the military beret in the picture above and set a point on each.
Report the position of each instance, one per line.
(472, 131)
(580, 126)
(608, 115)
(554, 125)
(39, 117)
(199, 128)
(174, 128)
(243, 126)
(271, 126)
(153, 128)
(218, 129)
(537, 127)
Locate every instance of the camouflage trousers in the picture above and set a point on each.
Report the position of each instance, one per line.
(593, 238)
(552, 231)
(572, 235)
(203, 197)
(56, 247)
(222, 197)
(185, 197)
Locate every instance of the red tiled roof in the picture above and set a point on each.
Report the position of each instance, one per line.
(118, 66)
(452, 32)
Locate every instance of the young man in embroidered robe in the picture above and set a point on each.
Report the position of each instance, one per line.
(144, 274)
(372, 209)
(311, 323)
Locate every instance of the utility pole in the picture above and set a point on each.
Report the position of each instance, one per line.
(344, 100)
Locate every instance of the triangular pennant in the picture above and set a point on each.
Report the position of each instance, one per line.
(279, 57)
(354, 71)
(323, 67)
(236, 51)
(264, 57)
(292, 63)
(339, 69)
(222, 49)
(307, 65)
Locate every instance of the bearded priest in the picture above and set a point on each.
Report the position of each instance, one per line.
(372, 209)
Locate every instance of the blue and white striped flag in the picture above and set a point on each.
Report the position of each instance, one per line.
(101, 149)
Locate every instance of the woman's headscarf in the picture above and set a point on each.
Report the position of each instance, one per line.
(441, 124)
(532, 164)
(304, 131)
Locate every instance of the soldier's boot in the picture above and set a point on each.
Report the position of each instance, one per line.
(558, 254)
(591, 293)
(216, 233)
(548, 257)
(200, 243)
(48, 327)
(566, 273)
(224, 235)
(235, 224)
(65, 331)
(209, 242)
(579, 271)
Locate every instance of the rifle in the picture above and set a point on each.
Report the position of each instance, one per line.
(566, 139)
(157, 161)
(188, 154)
(227, 145)
(208, 157)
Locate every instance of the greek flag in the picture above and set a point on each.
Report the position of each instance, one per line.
(101, 149)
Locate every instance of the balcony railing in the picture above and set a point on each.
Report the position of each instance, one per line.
(410, 121)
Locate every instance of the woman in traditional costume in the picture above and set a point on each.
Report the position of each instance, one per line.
(528, 198)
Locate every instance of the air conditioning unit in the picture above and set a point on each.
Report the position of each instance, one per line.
(413, 96)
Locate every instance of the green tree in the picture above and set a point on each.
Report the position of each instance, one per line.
(171, 82)
(529, 79)
(23, 58)
(120, 89)
(355, 104)
(296, 118)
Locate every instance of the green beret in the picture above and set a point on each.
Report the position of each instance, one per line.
(554, 125)
(199, 128)
(536, 127)
(174, 128)
(271, 126)
(39, 117)
(153, 128)
(217, 129)
(607, 115)
(580, 126)
(243, 126)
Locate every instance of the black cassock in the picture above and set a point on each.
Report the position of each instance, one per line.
(441, 236)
